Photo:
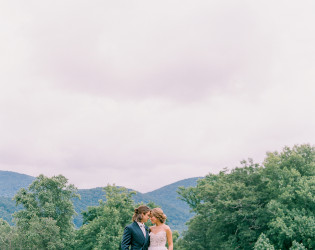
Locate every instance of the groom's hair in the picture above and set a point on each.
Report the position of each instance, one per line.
(137, 216)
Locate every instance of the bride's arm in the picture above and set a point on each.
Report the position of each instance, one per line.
(169, 238)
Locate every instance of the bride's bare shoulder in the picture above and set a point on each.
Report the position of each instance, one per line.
(167, 228)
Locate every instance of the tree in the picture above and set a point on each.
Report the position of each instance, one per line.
(291, 183)
(46, 220)
(263, 243)
(7, 236)
(42, 233)
(297, 246)
(228, 209)
(104, 224)
(234, 208)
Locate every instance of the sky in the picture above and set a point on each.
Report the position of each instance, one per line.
(145, 93)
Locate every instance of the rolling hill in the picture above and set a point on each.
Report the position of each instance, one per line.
(166, 197)
(11, 182)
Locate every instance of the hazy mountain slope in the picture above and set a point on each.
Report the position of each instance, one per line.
(169, 193)
(7, 208)
(11, 182)
(176, 210)
(166, 197)
(89, 197)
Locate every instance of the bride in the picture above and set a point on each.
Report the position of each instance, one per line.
(159, 233)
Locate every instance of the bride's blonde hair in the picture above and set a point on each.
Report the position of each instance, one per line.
(158, 213)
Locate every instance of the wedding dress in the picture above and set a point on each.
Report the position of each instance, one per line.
(157, 241)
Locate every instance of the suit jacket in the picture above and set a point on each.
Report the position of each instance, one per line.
(133, 236)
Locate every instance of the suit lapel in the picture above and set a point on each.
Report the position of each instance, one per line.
(139, 232)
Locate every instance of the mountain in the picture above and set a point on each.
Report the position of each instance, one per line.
(176, 210)
(11, 182)
(166, 197)
(89, 197)
(170, 192)
(7, 208)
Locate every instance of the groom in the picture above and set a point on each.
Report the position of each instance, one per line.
(136, 234)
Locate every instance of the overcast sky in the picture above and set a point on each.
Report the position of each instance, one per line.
(143, 93)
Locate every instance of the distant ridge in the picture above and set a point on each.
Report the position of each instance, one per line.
(166, 197)
(160, 192)
(11, 182)
(177, 211)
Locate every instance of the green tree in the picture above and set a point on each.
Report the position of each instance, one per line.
(42, 233)
(46, 220)
(8, 236)
(229, 209)
(297, 246)
(263, 243)
(104, 224)
(234, 208)
(291, 183)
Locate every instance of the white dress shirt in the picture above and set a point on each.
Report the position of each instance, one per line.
(141, 225)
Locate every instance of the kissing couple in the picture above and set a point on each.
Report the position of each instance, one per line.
(140, 237)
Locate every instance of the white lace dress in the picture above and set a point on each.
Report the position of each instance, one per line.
(157, 241)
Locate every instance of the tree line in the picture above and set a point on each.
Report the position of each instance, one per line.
(254, 206)
(268, 206)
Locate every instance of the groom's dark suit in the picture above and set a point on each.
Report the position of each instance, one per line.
(133, 236)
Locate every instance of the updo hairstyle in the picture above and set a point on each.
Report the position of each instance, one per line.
(139, 212)
(158, 213)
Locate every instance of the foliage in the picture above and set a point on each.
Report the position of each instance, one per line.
(291, 176)
(234, 208)
(263, 243)
(104, 224)
(44, 214)
(229, 212)
(88, 197)
(268, 206)
(41, 233)
(297, 246)
(8, 236)
(176, 210)
(46, 220)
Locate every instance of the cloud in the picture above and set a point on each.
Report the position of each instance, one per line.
(143, 94)
(182, 52)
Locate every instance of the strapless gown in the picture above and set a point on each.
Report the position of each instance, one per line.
(158, 241)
